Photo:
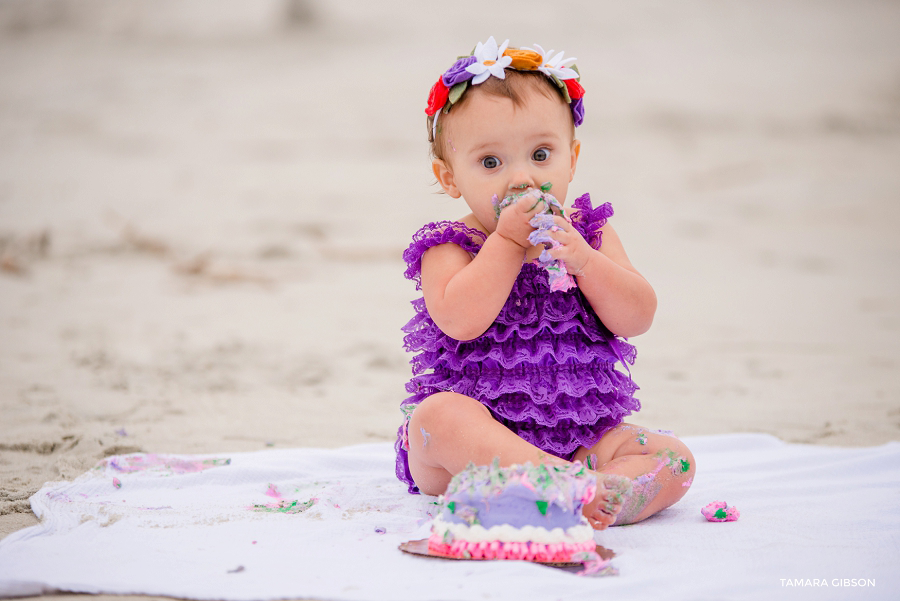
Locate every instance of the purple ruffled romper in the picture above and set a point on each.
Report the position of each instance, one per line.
(544, 368)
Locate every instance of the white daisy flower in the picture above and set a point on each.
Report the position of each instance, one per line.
(489, 60)
(555, 64)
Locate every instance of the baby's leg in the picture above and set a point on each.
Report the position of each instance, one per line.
(448, 430)
(660, 466)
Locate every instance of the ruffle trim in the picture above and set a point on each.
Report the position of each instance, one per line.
(548, 386)
(588, 220)
(531, 326)
(401, 466)
(566, 410)
(565, 440)
(435, 234)
(566, 348)
(529, 310)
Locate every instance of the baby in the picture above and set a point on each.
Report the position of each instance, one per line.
(506, 366)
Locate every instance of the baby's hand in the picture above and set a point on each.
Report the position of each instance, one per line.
(513, 223)
(573, 250)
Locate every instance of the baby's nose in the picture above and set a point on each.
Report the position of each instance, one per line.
(521, 182)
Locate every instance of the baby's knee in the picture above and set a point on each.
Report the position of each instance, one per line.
(687, 461)
(671, 450)
(444, 409)
(684, 466)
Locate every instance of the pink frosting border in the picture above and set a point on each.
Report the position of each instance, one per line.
(529, 551)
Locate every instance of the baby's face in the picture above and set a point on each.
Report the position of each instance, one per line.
(494, 147)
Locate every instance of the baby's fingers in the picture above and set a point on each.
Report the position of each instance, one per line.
(536, 206)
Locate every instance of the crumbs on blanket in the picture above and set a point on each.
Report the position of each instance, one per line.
(282, 505)
(129, 464)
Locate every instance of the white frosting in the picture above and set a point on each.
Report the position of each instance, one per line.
(510, 534)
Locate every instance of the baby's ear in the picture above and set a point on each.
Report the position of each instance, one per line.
(445, 177)
(576, 150)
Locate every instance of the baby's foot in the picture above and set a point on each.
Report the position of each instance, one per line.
(612, 491)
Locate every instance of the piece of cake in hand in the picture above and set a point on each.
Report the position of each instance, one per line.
(519, 512)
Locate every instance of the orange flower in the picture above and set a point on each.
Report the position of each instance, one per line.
(524, 60)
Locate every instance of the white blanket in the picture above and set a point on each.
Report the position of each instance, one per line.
(816, 523)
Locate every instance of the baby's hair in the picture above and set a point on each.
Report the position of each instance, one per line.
(515, 86)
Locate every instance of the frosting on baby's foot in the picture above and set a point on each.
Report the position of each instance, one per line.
(612, 491)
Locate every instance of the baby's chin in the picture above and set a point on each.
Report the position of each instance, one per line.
(472, 220)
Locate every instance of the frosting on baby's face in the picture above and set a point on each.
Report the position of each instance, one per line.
(494, 147)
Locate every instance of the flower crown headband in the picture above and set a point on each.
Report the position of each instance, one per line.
(488, 59)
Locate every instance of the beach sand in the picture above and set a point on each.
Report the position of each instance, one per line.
(201, 229)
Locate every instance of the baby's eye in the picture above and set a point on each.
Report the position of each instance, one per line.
(490, 162)
(541, 154)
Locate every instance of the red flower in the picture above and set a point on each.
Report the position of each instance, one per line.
(574, 88)
(437, 97)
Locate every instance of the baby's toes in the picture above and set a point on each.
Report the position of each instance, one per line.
(616, 489)
(612, 491)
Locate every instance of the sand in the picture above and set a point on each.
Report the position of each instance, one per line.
(201, 228)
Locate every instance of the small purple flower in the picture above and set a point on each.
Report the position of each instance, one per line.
(577, 111)
(457, 73)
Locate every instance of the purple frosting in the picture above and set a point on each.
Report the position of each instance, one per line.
(544, 368)
(519, 495)
(457, 73)
(517, 507)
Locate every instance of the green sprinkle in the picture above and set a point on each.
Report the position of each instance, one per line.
(542, 506)
(685, 465)
(452, 506)
(720, 513)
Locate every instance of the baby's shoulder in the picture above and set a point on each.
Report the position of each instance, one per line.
(439, 233)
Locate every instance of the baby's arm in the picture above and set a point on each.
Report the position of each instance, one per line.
(465, 295)
(620, 296)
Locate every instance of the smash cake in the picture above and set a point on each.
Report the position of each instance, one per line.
(519, 512)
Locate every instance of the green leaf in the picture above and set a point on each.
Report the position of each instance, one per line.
(542, 506)
(456, 92)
